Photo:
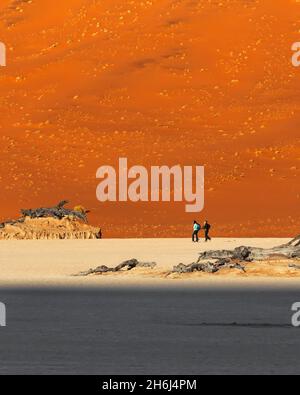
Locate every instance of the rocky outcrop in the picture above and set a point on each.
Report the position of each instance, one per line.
(50, 223)
(47, 229)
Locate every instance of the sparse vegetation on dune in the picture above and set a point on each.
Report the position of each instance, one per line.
(162, 82)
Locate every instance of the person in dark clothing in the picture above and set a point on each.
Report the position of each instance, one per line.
(206, 228)
(197, 228)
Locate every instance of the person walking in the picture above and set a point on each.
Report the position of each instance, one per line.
(206, 228)
(196, 228)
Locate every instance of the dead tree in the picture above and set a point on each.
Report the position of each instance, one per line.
(208, 267)
(249, 254)
(12, 222)
(213, 261)
(128, 265)
(58, 212)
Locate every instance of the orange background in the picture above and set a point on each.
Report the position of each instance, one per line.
(161, 82)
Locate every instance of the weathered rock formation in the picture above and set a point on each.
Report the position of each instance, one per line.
(49, 223)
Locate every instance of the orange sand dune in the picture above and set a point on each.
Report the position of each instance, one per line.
(159, 82)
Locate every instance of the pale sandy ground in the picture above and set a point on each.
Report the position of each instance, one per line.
(53, 263)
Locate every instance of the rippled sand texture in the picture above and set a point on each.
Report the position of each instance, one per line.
(159, 82)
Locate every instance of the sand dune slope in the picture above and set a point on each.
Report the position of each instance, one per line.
(159, 82)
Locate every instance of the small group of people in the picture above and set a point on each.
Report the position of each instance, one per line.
(197, 227)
